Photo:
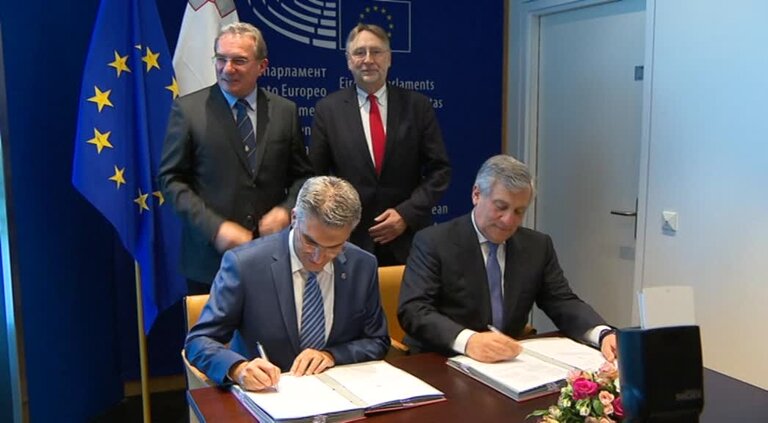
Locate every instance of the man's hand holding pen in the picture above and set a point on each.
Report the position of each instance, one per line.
(256, 374)
(492, 346)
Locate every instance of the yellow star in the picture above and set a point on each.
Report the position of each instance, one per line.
(118, 177)
(375, 7)
(389, 17)
(120, 64)
(160, 198)
(383, 11)
(100, 140)
(141, 200)
(101, 98)
(174, 88)
(367, 10)
(151, 59)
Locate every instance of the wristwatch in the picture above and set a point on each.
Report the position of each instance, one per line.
(603, 334)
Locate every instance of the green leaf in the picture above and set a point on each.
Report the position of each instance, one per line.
(598, 407)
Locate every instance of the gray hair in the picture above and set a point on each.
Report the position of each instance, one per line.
(376, 30)
(246, 30)
(511, 173)
(332, 200)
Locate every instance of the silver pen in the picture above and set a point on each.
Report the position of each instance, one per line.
(262, 353)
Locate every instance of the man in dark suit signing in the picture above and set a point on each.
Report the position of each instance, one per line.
(386, 141)
(470, 283)
(233, 157)
(301, 300)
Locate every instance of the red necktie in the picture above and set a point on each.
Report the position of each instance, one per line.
(378, 137)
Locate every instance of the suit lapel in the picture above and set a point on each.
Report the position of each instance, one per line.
(514, 258)
(394, 107)
(283, 281)
(341, 280)
(469, 252)
(223, 115)
(262, 123)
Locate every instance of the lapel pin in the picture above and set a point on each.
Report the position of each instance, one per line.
(343, 275)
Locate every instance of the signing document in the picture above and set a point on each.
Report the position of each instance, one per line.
(339, 394)
(539, 370)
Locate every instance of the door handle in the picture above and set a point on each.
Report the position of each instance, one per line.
(624, 213)
(628, 213)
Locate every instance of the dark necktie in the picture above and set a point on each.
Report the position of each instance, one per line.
(378, 136)
(245, 126)
(493, 269)
(312, 315)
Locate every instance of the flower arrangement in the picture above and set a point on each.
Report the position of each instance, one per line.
(589, 397)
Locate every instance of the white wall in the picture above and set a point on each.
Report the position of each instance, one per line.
(707, 154)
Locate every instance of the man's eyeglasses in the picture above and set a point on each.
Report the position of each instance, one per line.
(362, 53)
(235, 61)
(310, 245)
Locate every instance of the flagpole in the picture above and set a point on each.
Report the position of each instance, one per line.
(145, 403)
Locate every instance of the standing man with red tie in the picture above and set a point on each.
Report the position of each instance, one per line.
(233, 159)
(386, 141)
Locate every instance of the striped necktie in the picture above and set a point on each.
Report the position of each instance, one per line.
(312, 315)
(245, 126)
(493, 270)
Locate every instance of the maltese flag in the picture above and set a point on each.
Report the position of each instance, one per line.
(192, 59)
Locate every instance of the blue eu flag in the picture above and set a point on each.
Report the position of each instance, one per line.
(128, 87)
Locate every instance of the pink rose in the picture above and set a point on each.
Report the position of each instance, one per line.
(583, 388)
(618, 409)
(605, 398)
(574, 374)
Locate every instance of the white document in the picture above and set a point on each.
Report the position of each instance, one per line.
(379, 383)
(539, 370)
(565, 351)
(339, 394)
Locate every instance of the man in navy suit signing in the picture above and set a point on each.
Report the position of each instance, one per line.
(386, 141)
(470, 283)
(301, 300)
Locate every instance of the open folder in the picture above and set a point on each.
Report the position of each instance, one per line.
(340, 393)
(539, 370)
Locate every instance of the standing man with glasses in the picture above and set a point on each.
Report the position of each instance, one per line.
(233, 158)
(386, 141)
(301, 300)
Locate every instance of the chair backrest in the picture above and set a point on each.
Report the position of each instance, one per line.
(193, 305)
(390, 278)
(662, 306)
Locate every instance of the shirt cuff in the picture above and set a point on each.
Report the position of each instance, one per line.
(460, 343)
(593, 335)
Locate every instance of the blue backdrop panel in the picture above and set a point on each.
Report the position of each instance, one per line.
(447, 51)
(65, 262)
(78, 302)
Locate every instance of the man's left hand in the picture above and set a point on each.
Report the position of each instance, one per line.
(312, 362)
(608, 347)
(389, 225)
(274, 221)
